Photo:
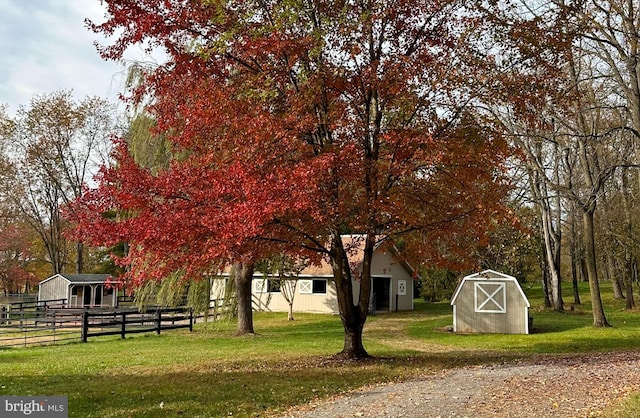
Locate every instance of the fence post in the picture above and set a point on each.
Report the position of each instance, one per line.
(158, 321)
(123, 326)
(54, 324)
(85, 326)
(190, 319)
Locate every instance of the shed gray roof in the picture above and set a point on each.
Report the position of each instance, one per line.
(490, 275)
(86, 278)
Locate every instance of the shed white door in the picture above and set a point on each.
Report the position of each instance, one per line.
(490, 297)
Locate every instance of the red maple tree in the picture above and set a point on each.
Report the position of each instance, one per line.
(294, 122)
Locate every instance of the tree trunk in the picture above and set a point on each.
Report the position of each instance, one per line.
(612, 274)
(630, 261)
(550, 237)
(351, 315)
(599, 318)
(573, 254)
(545, 281)
(583, 269)
(544, 269)
(556, 234)
(243, 275)
(290, 315)
(613, 270)
(79, 257)
(576, 290)
(630, 303)
(552, 254)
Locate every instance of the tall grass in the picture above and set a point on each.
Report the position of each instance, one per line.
(212, 373)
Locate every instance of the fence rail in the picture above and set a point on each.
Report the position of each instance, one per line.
(36, 325)
(24, 328)
(131, 322)
(17, 297)
(37, 304)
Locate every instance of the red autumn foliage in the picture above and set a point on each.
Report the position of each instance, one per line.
(293, 122)
(14, 259)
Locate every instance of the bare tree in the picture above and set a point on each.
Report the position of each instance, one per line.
(57, 144)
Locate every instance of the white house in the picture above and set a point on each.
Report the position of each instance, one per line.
(391, 287)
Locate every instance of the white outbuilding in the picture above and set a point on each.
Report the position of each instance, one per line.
(79, 290)
(490, 302)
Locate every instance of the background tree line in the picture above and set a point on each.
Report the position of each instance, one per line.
(50, 151)
(576, 165)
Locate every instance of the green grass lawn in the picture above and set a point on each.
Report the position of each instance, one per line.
(212, 373)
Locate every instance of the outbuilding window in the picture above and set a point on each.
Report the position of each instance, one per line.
(266, 286)
(319, 287)
(315, 286)
(274, 285)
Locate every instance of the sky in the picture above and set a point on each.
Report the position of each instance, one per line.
(45, 47)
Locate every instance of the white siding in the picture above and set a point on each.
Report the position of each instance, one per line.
(57, 287)
(304, 299)
(386, 265)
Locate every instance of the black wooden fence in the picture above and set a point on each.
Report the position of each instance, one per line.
(95, 324)
(27, 325)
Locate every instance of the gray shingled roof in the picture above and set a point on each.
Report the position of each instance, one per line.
(86, 278)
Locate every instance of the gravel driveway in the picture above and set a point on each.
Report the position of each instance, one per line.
(567, 386)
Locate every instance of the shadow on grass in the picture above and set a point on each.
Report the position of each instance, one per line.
(239, 389)
(587, 345)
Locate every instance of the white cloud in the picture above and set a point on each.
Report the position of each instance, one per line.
(45, 46)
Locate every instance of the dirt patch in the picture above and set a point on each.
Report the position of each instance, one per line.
(564, 386)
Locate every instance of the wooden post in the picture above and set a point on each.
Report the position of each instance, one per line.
(85, 326)
(123, 325)
(190, 319)
(54, 324)
(158, 321)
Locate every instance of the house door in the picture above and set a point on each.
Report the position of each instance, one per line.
(381, 289)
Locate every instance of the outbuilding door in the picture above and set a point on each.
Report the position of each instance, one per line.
(381, 293)
(490, 297)
(86, 300)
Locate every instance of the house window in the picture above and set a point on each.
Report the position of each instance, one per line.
(273, 285)
(260, 286)
(402, 287)
(266, 286)
(319, 287)
(305, 287)
(315, 287)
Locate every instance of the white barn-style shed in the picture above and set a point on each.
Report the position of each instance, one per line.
(490, 302)
(79, 290)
